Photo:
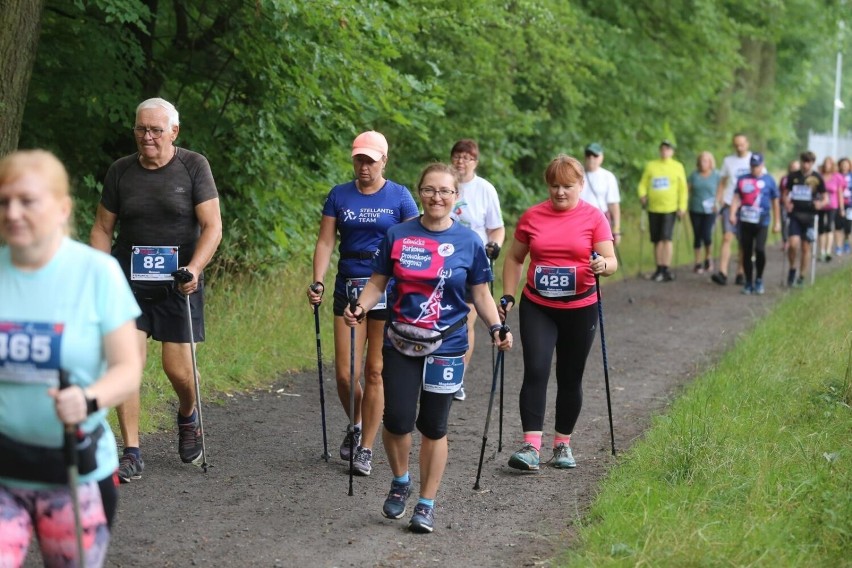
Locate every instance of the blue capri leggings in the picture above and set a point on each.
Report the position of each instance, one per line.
(568, 332)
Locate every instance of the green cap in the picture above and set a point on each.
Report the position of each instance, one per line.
(594, 148)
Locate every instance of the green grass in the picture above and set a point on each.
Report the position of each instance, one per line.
(751, 465)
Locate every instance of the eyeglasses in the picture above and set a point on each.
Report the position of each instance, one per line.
(431, 192)
(141, 131)
(462, 158)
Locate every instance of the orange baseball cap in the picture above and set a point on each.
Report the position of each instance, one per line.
(370, 143)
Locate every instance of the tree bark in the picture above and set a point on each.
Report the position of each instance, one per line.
(20, 21)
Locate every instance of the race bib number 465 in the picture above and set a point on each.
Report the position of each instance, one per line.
(29, 352)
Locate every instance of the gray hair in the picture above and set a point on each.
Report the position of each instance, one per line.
(171, 111)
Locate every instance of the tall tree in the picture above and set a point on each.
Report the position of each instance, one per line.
(20, 21)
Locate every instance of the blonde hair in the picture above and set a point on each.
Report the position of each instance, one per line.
(442, 168)
(15, 165)
(709, 155)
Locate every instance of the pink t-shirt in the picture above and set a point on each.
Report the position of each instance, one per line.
(834, 184)
(561, 244)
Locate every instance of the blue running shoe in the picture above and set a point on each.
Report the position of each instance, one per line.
(562, 457)
(423, 519)
(525, 459)
(759, 289)
(394, 507)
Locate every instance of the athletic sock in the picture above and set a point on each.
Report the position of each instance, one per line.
(428, 502)
(404, 478)
(134, 451)
(561, 439)
(534, 439)
(186, 419)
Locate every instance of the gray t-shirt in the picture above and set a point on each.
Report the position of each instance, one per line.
(157, 207)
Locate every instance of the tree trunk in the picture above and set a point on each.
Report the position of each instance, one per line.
(20, 21)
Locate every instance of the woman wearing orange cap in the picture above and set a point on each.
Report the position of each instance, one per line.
(360, 211)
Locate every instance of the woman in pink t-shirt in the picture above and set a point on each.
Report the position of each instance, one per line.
(832, 216)
(558, 306)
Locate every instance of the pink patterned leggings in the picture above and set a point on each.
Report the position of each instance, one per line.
(50, 513)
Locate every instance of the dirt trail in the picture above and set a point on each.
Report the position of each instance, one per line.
(270, 500)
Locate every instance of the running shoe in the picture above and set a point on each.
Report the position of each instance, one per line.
(130, 467)
(460, 395)
(847, 248)
(791, 278)
(562, 457)
(362, 463)
(800, 282)
(344, 446)
(698, 268)
(708, 265)
(740, 280)
(719, 278)
(394, 507)
(668, 276)
(748, 290)
(423, 519)
(758, 287)
(658, 276)
(526, 458)
(838, 251)
(189, 442)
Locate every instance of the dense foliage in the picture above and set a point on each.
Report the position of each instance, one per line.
(273, 91)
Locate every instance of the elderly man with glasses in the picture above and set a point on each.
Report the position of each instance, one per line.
(164, 203)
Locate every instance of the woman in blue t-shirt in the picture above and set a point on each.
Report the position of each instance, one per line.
(701, 185)
(360, 211)
(432, 261)
(67, 312)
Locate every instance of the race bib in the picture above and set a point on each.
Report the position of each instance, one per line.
(556, 281)
(801, 193)
(354, 286)
(443, 375)
(708, 204)
(153, 264)
(29, 353)
(750, 214)
(659, 183)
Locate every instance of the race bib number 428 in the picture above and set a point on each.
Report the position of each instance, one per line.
(29, 352)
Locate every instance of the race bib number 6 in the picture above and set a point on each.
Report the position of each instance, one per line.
(29, 352)
(443, 375)
(153, 264)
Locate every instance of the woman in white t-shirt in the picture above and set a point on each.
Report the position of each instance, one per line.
(478, 208)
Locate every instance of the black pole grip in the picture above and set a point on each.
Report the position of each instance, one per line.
(182, 275)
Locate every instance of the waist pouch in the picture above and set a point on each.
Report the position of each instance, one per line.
(151, 293)
(27, 462)
(566, 299)
(416, 341)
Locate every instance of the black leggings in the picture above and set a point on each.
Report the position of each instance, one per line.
(702, 227)
(753, 241)
(402, 378)
(570, 332)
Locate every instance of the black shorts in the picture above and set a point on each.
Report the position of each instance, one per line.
(661, 226)
(165, 319)
(340, 302)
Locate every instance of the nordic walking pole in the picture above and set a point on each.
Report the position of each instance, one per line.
(814, 247)
(642, 223)
(603, 352)
(504, 303)
(353, 302)
(183, 275)
(503, 331)
(69, 449)
(325, 455)
(784, 245)
(491, 290)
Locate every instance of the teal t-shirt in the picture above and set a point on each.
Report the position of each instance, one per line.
(702, 191)
(71, 303)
